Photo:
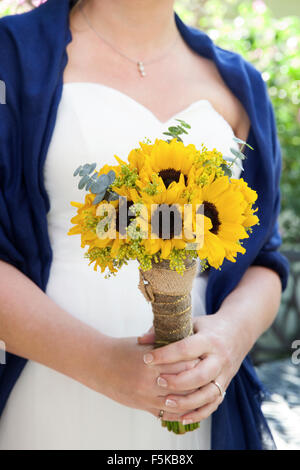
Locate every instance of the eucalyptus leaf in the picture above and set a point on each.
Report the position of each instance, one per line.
(226, 170)
(98, 187)
(92, 167)
(173, 130)
(239, 164)
(183, 123)
(237, 153)
(229, 159)
(99, 198)
(239, 141)
(86, 167)
(104, 179)
(112, 176)
(82, 172)
(89, 184)
(83, 182)
(182, 130)
(76, 172)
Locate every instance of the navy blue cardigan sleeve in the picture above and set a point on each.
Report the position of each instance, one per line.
(269, 255)
(26, 121)
(9, 143)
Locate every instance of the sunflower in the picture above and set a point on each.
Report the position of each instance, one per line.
(225, 207)
(85, 220)
(250, 197)
(169, 160)
(164, 236)
(86, 223)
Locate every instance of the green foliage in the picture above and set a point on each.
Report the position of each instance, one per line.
(238, 155)
(272, 46)
(176, 131)
(99, 185)
(127, 177)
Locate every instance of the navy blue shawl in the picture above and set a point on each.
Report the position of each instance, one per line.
(32, 59)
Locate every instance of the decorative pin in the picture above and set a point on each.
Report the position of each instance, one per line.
(141, 69)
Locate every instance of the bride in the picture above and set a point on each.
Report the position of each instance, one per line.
(131, 69)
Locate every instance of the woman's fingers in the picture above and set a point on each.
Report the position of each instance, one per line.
(201, 413)
(148, 337)
(199, 376)
(186, 349)
(167, 415)
(201, 397)
(178, 367)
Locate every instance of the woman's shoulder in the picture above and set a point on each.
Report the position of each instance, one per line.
(34, 30)
(17, 25)
(229, 61)
(32, 46)
(238, 66)
(17, 49)
(244, 80)
(19, 36)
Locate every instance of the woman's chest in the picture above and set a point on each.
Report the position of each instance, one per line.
(168, 87)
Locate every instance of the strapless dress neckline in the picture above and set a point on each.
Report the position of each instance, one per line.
(122, 95)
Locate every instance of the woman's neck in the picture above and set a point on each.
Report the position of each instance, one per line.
(141, 28)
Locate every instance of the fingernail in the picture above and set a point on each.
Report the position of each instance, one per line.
(162, 382)
(148, 358)
(186, 421)
(171, 403)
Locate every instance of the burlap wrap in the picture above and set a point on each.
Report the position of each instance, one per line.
(170, 296)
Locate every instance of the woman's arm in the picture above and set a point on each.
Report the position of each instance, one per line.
(222, 341)
(254, 304)
(35, 327)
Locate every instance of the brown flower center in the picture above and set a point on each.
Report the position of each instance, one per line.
(166, 222)
(170, 175)
(211, 211)
(122, 222)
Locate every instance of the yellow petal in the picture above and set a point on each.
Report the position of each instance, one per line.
(166, 246)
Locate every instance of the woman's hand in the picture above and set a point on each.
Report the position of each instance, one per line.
(221, 347)
(126, 378)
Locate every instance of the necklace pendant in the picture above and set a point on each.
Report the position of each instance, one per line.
(141, 69)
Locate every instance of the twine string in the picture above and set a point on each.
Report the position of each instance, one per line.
(172, 318)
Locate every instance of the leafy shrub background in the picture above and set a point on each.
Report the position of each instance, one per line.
(272, 45)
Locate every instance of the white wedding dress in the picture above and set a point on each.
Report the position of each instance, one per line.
(47, 410)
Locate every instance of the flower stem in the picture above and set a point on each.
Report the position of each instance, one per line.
(178, 428)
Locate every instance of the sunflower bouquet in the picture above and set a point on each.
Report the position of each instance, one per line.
(166, 206)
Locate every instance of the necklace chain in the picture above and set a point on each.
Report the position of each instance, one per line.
(140, 64)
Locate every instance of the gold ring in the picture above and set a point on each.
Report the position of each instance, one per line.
(222, 393)
(161, 413)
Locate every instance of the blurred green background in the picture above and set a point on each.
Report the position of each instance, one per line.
(267, 33)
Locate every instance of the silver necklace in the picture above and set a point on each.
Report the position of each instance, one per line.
(139, 63)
